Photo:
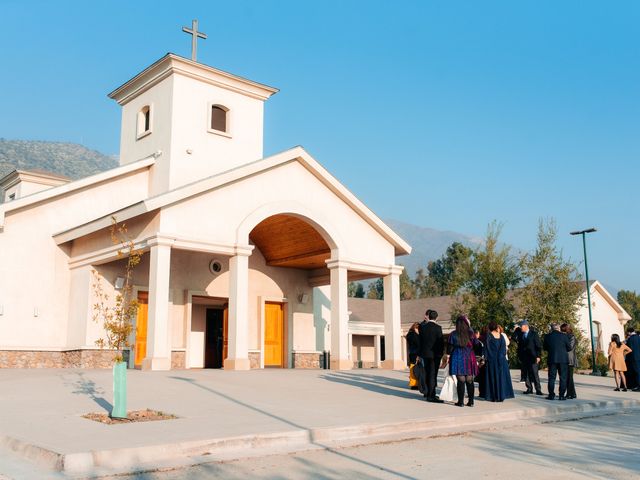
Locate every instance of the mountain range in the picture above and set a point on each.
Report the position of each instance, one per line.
(68, 159)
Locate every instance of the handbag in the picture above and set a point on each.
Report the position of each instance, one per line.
(413, 381)
(449, 390)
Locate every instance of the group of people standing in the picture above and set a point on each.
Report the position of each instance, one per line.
(560, 345)
(465, 354)
(482, 357)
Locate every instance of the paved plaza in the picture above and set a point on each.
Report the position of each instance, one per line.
(225, 415)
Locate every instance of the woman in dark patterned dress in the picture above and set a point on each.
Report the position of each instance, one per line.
(462, 360)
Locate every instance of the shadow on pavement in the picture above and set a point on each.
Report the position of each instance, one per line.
(87, 387)
(317, 468)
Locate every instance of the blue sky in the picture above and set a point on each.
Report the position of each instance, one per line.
(442, 114)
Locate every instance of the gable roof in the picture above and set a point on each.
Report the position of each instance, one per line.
(296, 154)
(595, 285)
(372, 311)
(52, 193)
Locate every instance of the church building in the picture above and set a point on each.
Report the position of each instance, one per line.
(246, 259)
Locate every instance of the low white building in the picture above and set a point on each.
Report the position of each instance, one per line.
(233, 243)
(608, 316)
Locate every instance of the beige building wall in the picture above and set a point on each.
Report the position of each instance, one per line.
(34, 272)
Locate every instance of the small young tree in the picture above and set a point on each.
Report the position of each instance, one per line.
(552, 290)
(116, 318)
(407, 288)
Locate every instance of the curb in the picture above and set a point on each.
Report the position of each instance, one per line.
(178, 454)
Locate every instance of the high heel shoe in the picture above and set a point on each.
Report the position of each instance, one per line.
(616, 389)
(624, 389)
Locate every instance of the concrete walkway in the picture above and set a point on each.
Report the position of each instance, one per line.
(226, 414)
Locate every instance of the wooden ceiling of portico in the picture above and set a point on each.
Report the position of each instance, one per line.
(287, 241)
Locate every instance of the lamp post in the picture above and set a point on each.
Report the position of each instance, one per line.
(586, 272)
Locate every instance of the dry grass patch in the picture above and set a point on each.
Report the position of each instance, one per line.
(147, 415)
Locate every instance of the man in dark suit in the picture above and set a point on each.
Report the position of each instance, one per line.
(558, 345)
(529, 352)
(633, 342)
(431, 352)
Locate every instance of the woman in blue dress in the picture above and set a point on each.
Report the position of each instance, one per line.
(462, 360)
(497, 379)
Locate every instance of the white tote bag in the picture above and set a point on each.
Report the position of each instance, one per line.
(449, 392)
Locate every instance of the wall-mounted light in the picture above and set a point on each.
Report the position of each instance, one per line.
(1, 309)
(119, 283)
(303, 298)
(36, 312)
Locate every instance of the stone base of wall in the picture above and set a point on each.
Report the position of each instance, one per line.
(254, 360)
(178, 360)
(361, 364)
(65, 359)
(307, 360)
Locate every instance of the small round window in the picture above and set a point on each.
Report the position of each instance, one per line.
(215, 267)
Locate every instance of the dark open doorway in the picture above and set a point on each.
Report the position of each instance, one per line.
(214, 338)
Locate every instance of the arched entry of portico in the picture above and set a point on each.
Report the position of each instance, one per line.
(288, 236)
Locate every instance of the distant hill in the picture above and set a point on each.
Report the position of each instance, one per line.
(427, 243)
(69, 159)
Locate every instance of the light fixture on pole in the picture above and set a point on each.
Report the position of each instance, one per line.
(586, 274)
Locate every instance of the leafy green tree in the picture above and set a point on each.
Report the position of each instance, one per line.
(376, 290)
(552, 290)
(356, 289)
(447, 275)
(630, 301)
(493, 273)
(407, 287)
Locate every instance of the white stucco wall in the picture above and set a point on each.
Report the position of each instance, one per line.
(34, 272)
(602, 313)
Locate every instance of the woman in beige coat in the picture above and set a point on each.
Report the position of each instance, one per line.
(617, 351)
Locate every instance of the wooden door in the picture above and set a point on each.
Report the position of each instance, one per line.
(140, 347)
(273, 334)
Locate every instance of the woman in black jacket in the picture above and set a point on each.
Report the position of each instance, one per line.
(413, 348)
(413, 343)
(573, 359)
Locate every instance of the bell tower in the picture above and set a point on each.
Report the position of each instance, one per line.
(203, 120)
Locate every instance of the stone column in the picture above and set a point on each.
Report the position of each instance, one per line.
(238, 330)
(392, 321)
(339, 318)
(376, 347)
(158, 343)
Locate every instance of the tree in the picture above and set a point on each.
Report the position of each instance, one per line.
(493, 273)
(356, 290)
(407, 287)
(376, 289)
(630, 301)
(116, 317)
(552, 289)
(447, 275)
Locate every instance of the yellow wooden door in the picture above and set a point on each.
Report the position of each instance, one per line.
(140, 348)
(273, 335)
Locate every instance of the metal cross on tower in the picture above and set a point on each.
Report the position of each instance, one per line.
(193, 31)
